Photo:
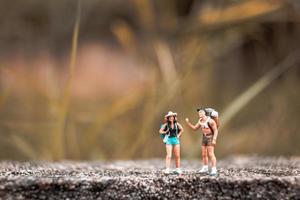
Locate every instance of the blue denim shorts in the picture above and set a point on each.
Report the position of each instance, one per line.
(173, 141)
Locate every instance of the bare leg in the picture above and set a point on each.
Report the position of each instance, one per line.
(204, 155)
(211, 155)
(169, 155)
(177, 155)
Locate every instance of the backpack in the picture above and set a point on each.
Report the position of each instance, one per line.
(213, 114)
(162, 135)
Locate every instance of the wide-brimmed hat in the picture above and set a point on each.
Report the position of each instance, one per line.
(170, 113)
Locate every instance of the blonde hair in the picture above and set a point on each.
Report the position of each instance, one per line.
(201, 111)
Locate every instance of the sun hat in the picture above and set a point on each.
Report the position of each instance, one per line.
(170, 113)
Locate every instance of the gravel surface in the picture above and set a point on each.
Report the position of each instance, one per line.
(239, 178)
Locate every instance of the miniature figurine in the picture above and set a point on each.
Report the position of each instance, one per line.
(172, 130)
(208, 122)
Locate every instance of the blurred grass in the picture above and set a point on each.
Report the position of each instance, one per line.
(239, 12)
(125, 35)
(59, 133)
(24, 147)
(258, 87)
(117, 109)
(208, 56)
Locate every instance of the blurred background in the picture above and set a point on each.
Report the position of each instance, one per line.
(92, 79)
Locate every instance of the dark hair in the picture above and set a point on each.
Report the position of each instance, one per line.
(165, 120)
(202, 109)
(198, 109)
(168, 121)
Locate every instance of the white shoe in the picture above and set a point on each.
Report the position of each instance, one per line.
(213, 171)
(178, 171)
(204, 169)
(167, 171)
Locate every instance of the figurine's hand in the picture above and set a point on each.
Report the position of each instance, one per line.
(187, 120)
(214, 142)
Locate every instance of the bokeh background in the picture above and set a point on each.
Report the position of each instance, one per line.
(92, 79)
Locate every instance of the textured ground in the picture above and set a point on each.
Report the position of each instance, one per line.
(239, 178)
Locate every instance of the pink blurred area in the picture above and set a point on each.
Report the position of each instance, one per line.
(100, 71)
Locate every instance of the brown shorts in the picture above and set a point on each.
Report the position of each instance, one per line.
(207, 139)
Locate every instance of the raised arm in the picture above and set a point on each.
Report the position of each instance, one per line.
(161, 130)
(194, 127)
(181, 130)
